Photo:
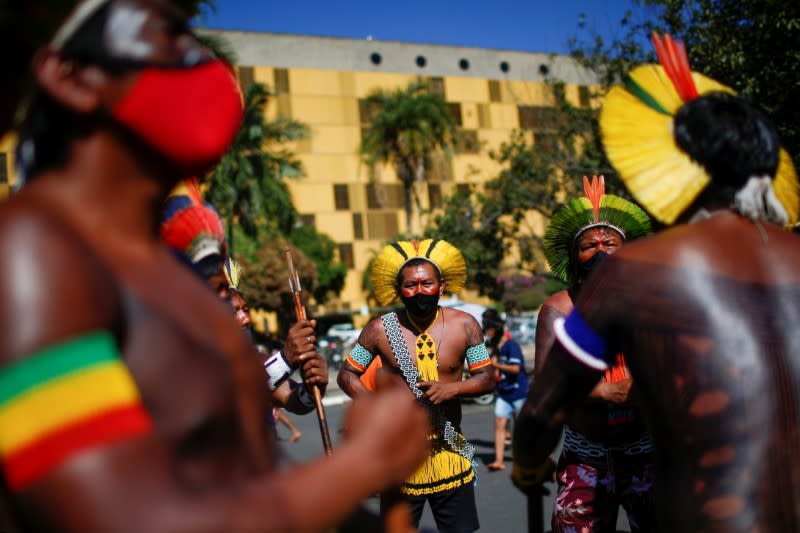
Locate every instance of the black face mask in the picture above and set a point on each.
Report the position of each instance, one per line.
(588, 266)
(421, 305)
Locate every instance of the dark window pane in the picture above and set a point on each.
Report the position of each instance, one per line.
(358, 226)
(3, 167)
(558, 92)
(437, 86)
(366, 111)
(346, 255)
(537, 117)
(381, 196)
(468, 142)
(246, 77)
(281, 81)
(434, 195)
(463, 189)
(494, 91)
(308, 220)
(341, 198)
(583, 96)
(455, 112)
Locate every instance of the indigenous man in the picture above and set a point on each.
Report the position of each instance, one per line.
(606, 459)
(193, 230)
(512, 381)
(441, 341)
(706, 312)
(131, 401)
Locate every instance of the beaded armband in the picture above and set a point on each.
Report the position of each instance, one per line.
(477, 357)
(360, 357)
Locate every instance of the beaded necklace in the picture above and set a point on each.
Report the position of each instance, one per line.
(427, 365)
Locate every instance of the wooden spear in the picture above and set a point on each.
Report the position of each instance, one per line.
(300, 309)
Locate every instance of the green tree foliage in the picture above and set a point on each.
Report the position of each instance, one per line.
(406, 127)
(750, 45)
(321, 249)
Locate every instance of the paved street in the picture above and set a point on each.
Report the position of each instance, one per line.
(501, 508)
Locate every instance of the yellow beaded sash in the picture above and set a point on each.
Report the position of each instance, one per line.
(427, 365)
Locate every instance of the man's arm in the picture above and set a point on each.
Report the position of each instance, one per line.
(359, 358)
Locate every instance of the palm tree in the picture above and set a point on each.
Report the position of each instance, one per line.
(248, 186)
(407, 126)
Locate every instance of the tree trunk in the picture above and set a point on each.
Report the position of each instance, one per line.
(406, 175)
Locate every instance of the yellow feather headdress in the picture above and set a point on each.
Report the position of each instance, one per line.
(233, 272)
(636, 124)
(443, 255)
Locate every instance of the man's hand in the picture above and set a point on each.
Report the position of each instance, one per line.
(301, 340)
(314, 370)
(530, 480)
(438, 392)
(390, 425)
(617, 393)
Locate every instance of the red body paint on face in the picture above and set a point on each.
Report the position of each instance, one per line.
(596, 239)
(420, 279)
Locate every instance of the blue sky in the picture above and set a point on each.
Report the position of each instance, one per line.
(532, 25)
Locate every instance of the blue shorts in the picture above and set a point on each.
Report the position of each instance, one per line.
(504, 408)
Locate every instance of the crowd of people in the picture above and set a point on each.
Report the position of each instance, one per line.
(134, 398)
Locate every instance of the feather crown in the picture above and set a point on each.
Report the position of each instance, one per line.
(190, 226)
(594, 209)
(637, 124)
(444, 256)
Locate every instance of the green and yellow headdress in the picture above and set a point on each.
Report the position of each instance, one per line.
(636, 123)
(595, 209)
(443, 255)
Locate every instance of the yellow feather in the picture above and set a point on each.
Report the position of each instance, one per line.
(786, 187)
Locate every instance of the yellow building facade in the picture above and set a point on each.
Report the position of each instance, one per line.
(323, 82)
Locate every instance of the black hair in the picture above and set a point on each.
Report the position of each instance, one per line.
(49, 128)
(414, 261)
(491, 319)
(731, 138)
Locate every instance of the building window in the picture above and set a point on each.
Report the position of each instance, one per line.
(346, 255)
(455, 112)
(3, 167)
(246, 78)
(463, 189)
(559, 92)
(341, 198)
(531, 117)
(434, 195)
(308, 220)
(375, 58)
(382, 225)
(494, 91)
(436, 86)
(382, 196)
(421, 61)
(504, 66)
(281, 81)
(468, 142)
(584, 98)
(463, 64)
(547, 142)
(358, 226)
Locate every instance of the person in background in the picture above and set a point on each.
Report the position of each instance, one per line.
(512, 384)
(704, 311)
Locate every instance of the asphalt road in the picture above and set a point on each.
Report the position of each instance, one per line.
(501, 508)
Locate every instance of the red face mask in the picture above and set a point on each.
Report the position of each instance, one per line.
(190, 115)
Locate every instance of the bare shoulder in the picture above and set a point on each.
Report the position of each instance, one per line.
(372, 334)
(460, 317)
(53, 286)
(560, 301)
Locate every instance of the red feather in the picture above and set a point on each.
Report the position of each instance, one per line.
(672, 56)
(594, 191)
(195, 230)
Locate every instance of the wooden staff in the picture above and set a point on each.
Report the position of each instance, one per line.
(535, 511)
(300, 308)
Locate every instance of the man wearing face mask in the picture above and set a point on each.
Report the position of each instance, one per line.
(428, 346)
(606, 457)
(131, 401)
